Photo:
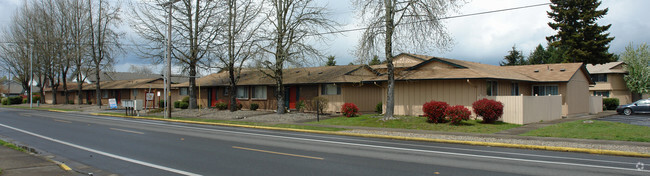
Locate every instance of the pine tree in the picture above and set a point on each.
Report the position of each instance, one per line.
(514, 57)
(578, 33)
(538, 56)
(330, 61)
(375, 60)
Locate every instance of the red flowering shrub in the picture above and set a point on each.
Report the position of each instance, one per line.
(457, 113)
(222, 104)
(435, 111)
(349, 110)
(490, 110)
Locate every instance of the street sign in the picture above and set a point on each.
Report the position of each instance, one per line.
(112, 103)
(150, 96)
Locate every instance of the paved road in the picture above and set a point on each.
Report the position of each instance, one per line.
(141, 147)
(635, 119)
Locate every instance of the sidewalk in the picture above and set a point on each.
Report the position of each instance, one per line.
(17, 163)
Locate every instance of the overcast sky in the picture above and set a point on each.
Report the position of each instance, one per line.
(482, 38)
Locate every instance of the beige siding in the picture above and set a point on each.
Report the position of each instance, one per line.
(577, 95)
(595, 104)
(411, 95)
(529, 109)
(616, 86)
(436, 65)
(365, 97)
(623, 96)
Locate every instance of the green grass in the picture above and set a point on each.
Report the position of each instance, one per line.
(601, 130)
(40, 108)
(291, 126)
(12, 146)
(417, 123)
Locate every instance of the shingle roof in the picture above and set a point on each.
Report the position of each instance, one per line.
(610, 67)
(310, 75)
(120, 76)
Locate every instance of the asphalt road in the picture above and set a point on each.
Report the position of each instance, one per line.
(634, 119)
(142, 147)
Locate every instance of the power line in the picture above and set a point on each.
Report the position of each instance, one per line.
(365, 28)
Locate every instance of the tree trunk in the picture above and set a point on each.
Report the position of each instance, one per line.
(279, 93)
(233, 87)
(79, 84)
(98, 90)
(192, 89)
(390, 97)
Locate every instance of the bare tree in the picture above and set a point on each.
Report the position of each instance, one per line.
(195, 30)
(14, 55)
(103, 38)
(239, 39)
(140, 69)
(291, 24)
(79, 36)
(406, 25)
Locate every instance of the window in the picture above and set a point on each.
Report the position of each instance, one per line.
(492, 88)
(62, 93)
(545, 90)
(225, 91)
(104, 93)
(515, 89)
(599, 77)
(135, 92)
(601, 93)
(259, 92)
(330, 89)
(242, 92)
(183, 91)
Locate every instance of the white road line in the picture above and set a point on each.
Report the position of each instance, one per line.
(128, 131)
(386, 147)
(104, 153)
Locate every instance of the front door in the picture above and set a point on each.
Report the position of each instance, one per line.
(213, 97)
(293, 90)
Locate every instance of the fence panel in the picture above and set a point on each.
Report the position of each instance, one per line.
(595, 104)
(529, 109)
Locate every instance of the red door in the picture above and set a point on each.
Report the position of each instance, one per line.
(213, 97)
(292, 97)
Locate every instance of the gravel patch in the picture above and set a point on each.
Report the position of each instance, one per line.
(628, 148)
(243, 115)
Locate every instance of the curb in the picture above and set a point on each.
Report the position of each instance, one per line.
(491, 144)
(64, 167)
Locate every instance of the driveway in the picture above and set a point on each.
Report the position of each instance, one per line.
(635, 119)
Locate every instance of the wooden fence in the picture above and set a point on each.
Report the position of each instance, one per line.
(529, 109)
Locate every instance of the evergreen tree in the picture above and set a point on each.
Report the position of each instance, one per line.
(514, 57)
(538, 56)
(584, 40)
(330, 61)
(375, 60)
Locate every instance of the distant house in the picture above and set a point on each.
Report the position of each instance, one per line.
(610, 83)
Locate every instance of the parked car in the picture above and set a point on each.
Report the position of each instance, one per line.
(641, 106)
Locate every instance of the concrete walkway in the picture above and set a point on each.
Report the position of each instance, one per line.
(16, 163)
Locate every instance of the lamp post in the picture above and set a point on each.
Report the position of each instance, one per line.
(168, 95)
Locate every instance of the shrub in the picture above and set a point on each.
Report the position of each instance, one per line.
(610, 103)
(221, 104)
(490, 110)
(457, 113)
(161, 103)
(321, 102)
(25, 101)
(186, 99)
(379, 108)
(5, 101)
(254, 106)
(70, 101)
(349, 109)
(183, 105)
(35, 98)
(177, 104)
(435, 111)
(15, 100)
(300, 106)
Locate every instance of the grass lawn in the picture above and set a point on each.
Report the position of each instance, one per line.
(305, 127)
(602, 130)
(27, 107)
(418, 123)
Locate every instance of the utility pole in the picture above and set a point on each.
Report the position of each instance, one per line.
(168, 94)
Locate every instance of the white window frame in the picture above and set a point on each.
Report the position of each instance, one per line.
(493, 88)
(326, 91)
(254, 94)
(545, 85)
(246, 95)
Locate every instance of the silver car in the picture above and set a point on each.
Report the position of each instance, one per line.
(641, 106)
